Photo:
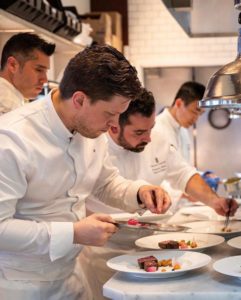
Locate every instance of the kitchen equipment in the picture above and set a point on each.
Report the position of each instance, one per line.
(151, 226)
(227, 219)
(233, 186)
(224, 89)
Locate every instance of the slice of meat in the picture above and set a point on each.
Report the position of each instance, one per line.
(170, 244)
(142, 260)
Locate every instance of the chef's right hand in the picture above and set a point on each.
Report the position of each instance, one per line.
(94, 230)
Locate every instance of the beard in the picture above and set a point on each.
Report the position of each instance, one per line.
(123, 143)
(85, 130)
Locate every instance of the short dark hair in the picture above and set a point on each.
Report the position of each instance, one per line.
(144, 104)
(101, 72)
(190, 91)
(22, 45)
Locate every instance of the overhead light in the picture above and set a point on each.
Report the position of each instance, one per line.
(224, 87)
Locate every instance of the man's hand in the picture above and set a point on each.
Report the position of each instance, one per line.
(222, 207)
(94, 230)
(154, 198)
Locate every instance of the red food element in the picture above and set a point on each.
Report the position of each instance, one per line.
(133, 222)
(150, 266)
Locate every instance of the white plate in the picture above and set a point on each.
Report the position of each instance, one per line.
(202, 213)
(214, 227)
(235, 242)
(203, 240)
(229, 266)
(146, 217)
(188, 260)
(207, 213)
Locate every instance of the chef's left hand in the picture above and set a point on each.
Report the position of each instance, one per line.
(154, 198)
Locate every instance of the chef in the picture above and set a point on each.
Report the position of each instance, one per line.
(53, 156)
(140, 152)
(25, 61)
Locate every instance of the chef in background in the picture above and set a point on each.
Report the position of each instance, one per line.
(140, 152)
(53, 156)
(175, 121)
(25, 61)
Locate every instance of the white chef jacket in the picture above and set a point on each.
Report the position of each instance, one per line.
(179, 137)
(157, 162)
(46, 173)
(10, 97)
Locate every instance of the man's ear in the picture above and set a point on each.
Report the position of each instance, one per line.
(179, 102)
(114, 129)
(12, 64)
(78, 99)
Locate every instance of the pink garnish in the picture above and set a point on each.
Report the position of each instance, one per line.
(132, 222)
(151, 269)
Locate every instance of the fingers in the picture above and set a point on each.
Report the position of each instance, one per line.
(166, 203)
(155, 198)
(107, 222)
(224, 206)
(233, 207)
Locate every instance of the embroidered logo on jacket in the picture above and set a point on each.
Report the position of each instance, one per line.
(158, 166)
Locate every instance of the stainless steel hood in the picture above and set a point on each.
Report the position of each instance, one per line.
(224, 87)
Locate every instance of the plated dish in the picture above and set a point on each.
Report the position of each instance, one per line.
(235, 242)
(203, 241)
(146, 217)
(230, 266)
(188, 260)
(214, 227)
(134, 224)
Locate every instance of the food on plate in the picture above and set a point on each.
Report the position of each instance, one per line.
(142, 260)
(151, 264)
(133, 222)
(165, 262)
(182, 244)
(226, 229)
(169, 244)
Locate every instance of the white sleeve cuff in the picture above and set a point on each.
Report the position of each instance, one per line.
(61, 239)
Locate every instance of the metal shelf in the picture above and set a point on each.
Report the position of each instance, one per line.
(11, 24)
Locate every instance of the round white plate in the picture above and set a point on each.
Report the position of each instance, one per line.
(189, 261)
(204, 213)
(214, 227)
(229, 266)
(203, 240)
(235, 242)
(146, 217)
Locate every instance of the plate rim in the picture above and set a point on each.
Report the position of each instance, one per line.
(217, 262)
(224, 234)
(229, 242)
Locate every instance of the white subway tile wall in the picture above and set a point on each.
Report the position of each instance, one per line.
(156, 39)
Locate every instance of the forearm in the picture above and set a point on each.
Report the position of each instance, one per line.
(200, 190)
